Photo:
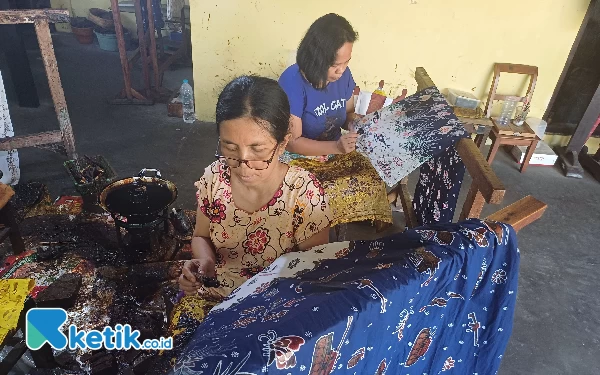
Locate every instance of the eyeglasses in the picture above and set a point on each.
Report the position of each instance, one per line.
(258, 165)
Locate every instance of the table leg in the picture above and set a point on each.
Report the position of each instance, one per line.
(483, 136)
(529, 154)
(479, 140)
(493, 150)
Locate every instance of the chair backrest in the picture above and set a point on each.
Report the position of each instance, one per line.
(499, 68)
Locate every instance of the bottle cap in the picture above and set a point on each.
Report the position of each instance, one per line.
(185, 81)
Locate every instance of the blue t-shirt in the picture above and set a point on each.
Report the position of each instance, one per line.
(323, 112)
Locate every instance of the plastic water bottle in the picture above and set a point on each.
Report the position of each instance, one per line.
(186, 93)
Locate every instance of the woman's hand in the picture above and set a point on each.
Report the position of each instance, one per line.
(188, 282)
(347, 142)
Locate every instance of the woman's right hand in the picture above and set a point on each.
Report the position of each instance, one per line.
(347, 142)
(188, 282)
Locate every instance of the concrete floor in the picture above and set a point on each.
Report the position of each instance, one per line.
(557, 323)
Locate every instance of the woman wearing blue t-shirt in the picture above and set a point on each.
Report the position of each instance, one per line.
(320, 90)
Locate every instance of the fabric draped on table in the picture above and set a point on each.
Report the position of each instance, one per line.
(428, 300)
(9, 160)
(355, 190)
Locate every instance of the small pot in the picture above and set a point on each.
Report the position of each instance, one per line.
(84, 35)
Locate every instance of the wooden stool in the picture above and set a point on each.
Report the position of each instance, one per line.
(514, 136)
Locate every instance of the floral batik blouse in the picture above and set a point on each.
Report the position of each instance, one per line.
(246, 242)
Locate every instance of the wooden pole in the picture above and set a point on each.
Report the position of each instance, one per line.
(139, 20)
(42, 29)
(153, 51)
(122, 50)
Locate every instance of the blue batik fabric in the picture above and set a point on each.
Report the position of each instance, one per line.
(436, 194)
(438, 299)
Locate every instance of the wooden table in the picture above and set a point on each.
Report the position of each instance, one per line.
(475, 122)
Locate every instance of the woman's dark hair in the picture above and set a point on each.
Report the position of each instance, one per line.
(258, 98)
(318, 48)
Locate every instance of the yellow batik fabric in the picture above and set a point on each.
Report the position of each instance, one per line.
(353, 186)
(12, 299)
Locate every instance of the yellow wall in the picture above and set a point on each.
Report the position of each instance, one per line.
(457, 41)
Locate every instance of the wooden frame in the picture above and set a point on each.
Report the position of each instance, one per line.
(148, 53)
(499, 68)
(41, 19)
(485, 188)
(129, 95)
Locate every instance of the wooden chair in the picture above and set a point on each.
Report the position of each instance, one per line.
(511, 134)
(485, 188)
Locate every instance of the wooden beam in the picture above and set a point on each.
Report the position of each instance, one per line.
(587, 125)
(423, 79)
(12, 143)
(153, 50)
(409, 213)
(42, 30)
(483, 176)
(11, 17)
(515, 68)
(121, 45)
(473, 203)
(592, 8)
(521, 213)
(143, 50)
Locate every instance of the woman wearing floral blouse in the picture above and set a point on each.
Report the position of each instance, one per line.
(251, 207)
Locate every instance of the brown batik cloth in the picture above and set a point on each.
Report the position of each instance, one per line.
(353, 186)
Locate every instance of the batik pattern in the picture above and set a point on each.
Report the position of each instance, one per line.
(418, 302)
(354, 189)
(439, 184)
(246, 242)
(399, 138)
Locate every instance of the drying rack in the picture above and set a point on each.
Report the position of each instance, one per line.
(148, 53)
(62, 140)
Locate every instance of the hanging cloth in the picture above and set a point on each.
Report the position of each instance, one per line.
(9, 160)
